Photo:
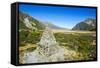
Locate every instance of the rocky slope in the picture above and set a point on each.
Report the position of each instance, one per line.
(89, 25)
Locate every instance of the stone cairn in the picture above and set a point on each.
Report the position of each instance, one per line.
(48, 50)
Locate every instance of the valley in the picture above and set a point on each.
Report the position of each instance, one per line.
(71, 31)
(76, 44)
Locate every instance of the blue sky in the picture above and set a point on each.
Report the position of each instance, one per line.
(65, 17)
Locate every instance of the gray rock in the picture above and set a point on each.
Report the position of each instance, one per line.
(48, 50)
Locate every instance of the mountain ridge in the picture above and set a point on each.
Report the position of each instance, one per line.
(29, 22)
(33, 23)
(53, 26)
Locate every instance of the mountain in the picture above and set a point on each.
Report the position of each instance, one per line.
(89, 24)
(90, 21)
(28, 22)
(52, 26)
(30, 29)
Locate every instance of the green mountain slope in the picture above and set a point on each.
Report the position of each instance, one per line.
(30, 29)
(31, 23)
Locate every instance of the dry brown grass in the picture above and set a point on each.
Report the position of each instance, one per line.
(71, 31)
(27, 46)
(22, 50)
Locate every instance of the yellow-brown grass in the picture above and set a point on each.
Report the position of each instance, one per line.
(70, 31)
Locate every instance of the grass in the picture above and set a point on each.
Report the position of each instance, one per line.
(27, 46)
(80, 45)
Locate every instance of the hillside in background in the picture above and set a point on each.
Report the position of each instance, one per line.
(89, 25)
(30, 29)
(28, 22)
(53, 26)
